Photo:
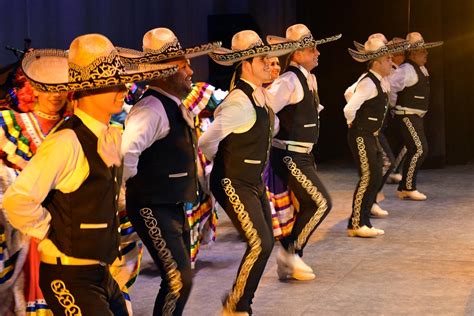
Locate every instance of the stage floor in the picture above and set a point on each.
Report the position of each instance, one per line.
(423, 265)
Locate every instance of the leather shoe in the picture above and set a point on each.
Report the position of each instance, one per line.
(285, 273)
(291, 265)
(364, 232)
(394, 178)
(380, 232)
(377, 211)
(411, 195)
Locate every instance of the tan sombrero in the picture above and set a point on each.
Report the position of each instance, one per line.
(390, 44)
(248, 44)
(161, 44)
(302, 35)
(91, 62)
(374, 48)
(416, 42)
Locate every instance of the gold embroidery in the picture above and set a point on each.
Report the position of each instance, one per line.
(172, 273)
(364, 182)
(65, 298)
(416, 156)
(254, 243)
(316, 196)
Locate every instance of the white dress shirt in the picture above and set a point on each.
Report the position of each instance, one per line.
(404, 76)
(364, 90)
(146, 123)
(287, 90)
(234, 115)
(59, 164)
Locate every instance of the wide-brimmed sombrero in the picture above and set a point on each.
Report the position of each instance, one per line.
(375, 48)
(417, 42)
(302, 35)
(390, 44)
(248, 44)
(161, 44)
(91, 62)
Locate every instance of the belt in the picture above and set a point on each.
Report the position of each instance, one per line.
(70, 261)
(294, 148)
(401, 112)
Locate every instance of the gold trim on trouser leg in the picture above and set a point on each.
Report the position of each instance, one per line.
(172, 273)
(364, 182)
(253, 240)
(316, 196)
(65, 298)
(416, 156)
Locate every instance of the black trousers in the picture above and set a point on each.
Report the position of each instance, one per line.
(414, 139)
(81, 290)
(299, 171)
(248, 208)
(367, 154)
(165, 232)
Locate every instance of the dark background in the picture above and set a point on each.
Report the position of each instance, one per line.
(449, 123)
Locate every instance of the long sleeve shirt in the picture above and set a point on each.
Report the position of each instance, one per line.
(234, 115)
(404, 76)
(59, 164)
(287, 90)
(146, 123)
(365, 90)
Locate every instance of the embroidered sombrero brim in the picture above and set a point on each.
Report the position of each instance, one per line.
(228, 57)
(422, 44)
(306, 41)
(155, 56)
(363, 56)
(48, 70)
(360, 47)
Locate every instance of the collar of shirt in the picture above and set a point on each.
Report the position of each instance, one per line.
(254, 86)
(94, 125)
(383, 81)
(258, 93)
(305, 72)
(163, 92)
(310, 78)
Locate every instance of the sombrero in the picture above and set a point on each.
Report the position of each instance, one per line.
(417, 42)
(91, 62)
(248, 44)
(374, 48)
(302, 35)
(391, 44)
(161, 44)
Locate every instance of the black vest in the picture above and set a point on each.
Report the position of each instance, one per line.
(300, 121)
(166, 171)
(243, 156)
(418, 95)
(371, 114)
(94, 203)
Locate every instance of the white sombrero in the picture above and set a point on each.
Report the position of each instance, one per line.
(390, 44)
(91, 62)
(302, 35)
(248, 44)
(161, 44)
(374, 48)
(417, 42)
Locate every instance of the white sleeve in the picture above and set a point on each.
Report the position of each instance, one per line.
(364, 91)
(233, 115)
(350, 91)
(57, 164)
(285, 90)
(146, 123)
